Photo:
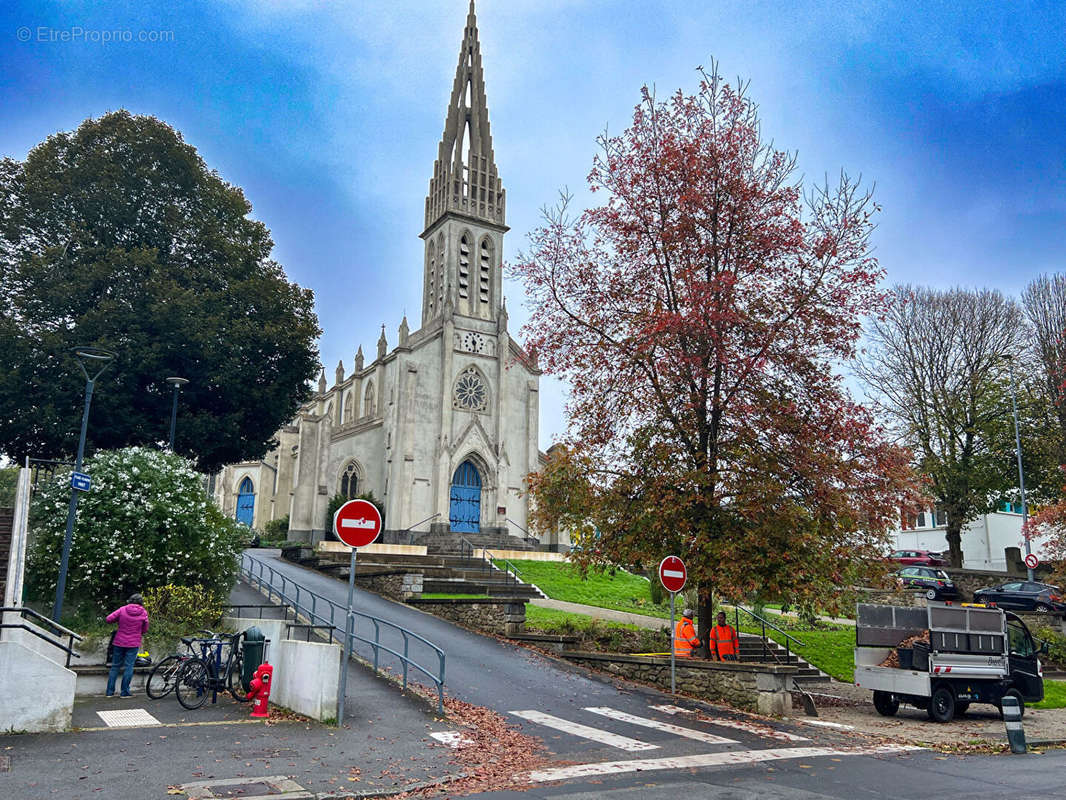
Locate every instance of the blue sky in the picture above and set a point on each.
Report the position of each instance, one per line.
(328, 116)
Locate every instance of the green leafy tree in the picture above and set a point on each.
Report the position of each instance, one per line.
(118, 235)
(339, 500)
(146, 523)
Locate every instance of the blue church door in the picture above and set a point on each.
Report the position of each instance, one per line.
(466, 499)
(246, 502)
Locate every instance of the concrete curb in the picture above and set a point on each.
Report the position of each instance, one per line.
(366, 794)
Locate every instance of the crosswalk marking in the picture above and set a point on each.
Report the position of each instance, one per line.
(827, 724)
(740, 725)
(584, 731)
(677, 730)
(451, 738)
(706, 760)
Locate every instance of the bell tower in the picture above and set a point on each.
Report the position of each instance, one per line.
(465, 207)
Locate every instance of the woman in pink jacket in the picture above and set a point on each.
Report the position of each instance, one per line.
(132, 622)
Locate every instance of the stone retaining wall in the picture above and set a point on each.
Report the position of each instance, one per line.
(756, 687)
(394, 585)
(503, 616)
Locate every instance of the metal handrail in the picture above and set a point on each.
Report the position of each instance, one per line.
(22, 611)
(267, 585)
(789, 638)
(508, 567)
(486, 562)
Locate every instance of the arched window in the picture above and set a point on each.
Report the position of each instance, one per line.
(350, 480)
(471, 393)
(440, 261)
(329, 410)
(465, 515)
(464, 266)
(246, 503)
(485, 272)
(431, 286)
(349, 406)
(368, 400)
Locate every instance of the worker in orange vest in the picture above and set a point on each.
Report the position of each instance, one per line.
(724, 641)
(685, 639)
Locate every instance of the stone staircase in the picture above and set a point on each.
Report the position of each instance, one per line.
(752, 648)
(441, 574)
(447, 543)
(7, 523)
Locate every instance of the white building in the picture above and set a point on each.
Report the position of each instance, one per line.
(983, 540)
(442, 427)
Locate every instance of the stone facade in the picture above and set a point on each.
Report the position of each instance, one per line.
(457, 391)
(393, 585)
(499, 616)
(755, 687)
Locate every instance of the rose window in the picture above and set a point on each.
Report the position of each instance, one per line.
(470, 391)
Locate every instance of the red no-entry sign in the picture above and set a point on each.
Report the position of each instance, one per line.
(673, 574)
(357, 523)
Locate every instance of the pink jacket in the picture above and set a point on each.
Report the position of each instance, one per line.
(132, 623)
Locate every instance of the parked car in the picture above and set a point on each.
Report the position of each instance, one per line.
(1024, 596)
(934, 582)
(925, 558)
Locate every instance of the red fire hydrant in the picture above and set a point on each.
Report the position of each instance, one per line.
(260, 689)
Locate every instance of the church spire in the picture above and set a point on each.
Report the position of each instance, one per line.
(464, 175)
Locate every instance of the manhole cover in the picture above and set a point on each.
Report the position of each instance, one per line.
(264, 788)
(5, 763)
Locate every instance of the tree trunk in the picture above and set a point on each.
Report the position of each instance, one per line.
(706, 618)
(954, 536)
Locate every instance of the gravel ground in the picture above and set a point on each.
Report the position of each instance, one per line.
(981, 724)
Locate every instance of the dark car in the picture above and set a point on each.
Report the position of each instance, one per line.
(1024, 596)
(934, 582)
(924, 558)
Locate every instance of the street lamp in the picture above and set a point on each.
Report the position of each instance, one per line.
(94, 357)
(177, 383)
(1021, 473)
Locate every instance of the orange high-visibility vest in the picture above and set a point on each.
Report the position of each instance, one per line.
(724, 640)
(685, 639)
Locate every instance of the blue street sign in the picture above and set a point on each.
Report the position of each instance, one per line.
(80, 481)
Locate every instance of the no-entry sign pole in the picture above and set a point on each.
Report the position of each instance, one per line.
(672, 575)
(357, 523)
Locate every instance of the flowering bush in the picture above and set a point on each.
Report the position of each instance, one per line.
(147, 522)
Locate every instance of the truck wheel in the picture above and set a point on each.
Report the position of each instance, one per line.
(886, 704)
(1015, 694)
(942, 704)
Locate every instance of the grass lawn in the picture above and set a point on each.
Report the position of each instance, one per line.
(551, 621)
(1054, 695)
(622, 591)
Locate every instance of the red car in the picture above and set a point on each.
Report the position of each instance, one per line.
(922, 558)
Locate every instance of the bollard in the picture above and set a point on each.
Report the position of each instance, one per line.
(1012, 718)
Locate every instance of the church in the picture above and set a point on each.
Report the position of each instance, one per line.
(441, 427)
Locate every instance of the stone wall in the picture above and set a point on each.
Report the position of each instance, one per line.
(503, 616)
(756, 687)
(394, 585)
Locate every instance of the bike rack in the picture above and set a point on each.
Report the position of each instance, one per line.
(313, 606)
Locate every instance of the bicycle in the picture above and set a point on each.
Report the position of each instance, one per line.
(161, 679)
(208, 672)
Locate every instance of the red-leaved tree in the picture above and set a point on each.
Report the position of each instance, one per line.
(697, 315)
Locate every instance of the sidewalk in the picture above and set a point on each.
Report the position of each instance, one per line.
(140, 748)
(641, 620)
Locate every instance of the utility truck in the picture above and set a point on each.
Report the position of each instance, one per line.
(974, 654)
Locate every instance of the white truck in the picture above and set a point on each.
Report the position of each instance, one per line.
(975, 654)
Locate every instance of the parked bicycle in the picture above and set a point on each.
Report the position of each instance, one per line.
(162, 678)
(210, 672)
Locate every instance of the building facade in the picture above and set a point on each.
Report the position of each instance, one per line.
(441, 427)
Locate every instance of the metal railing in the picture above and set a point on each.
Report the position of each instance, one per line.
(511, 571)
(771, 652)
(57, 630)
(324, 613)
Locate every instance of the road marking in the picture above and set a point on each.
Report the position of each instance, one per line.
(822, 723)
(655, 724)
(451, 738)
(127, 718)
(740, 725)
(706, 760)
(190, 724)
(576, 729)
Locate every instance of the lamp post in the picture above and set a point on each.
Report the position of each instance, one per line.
(177, 383)
(97, 358)
(1021, 473)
